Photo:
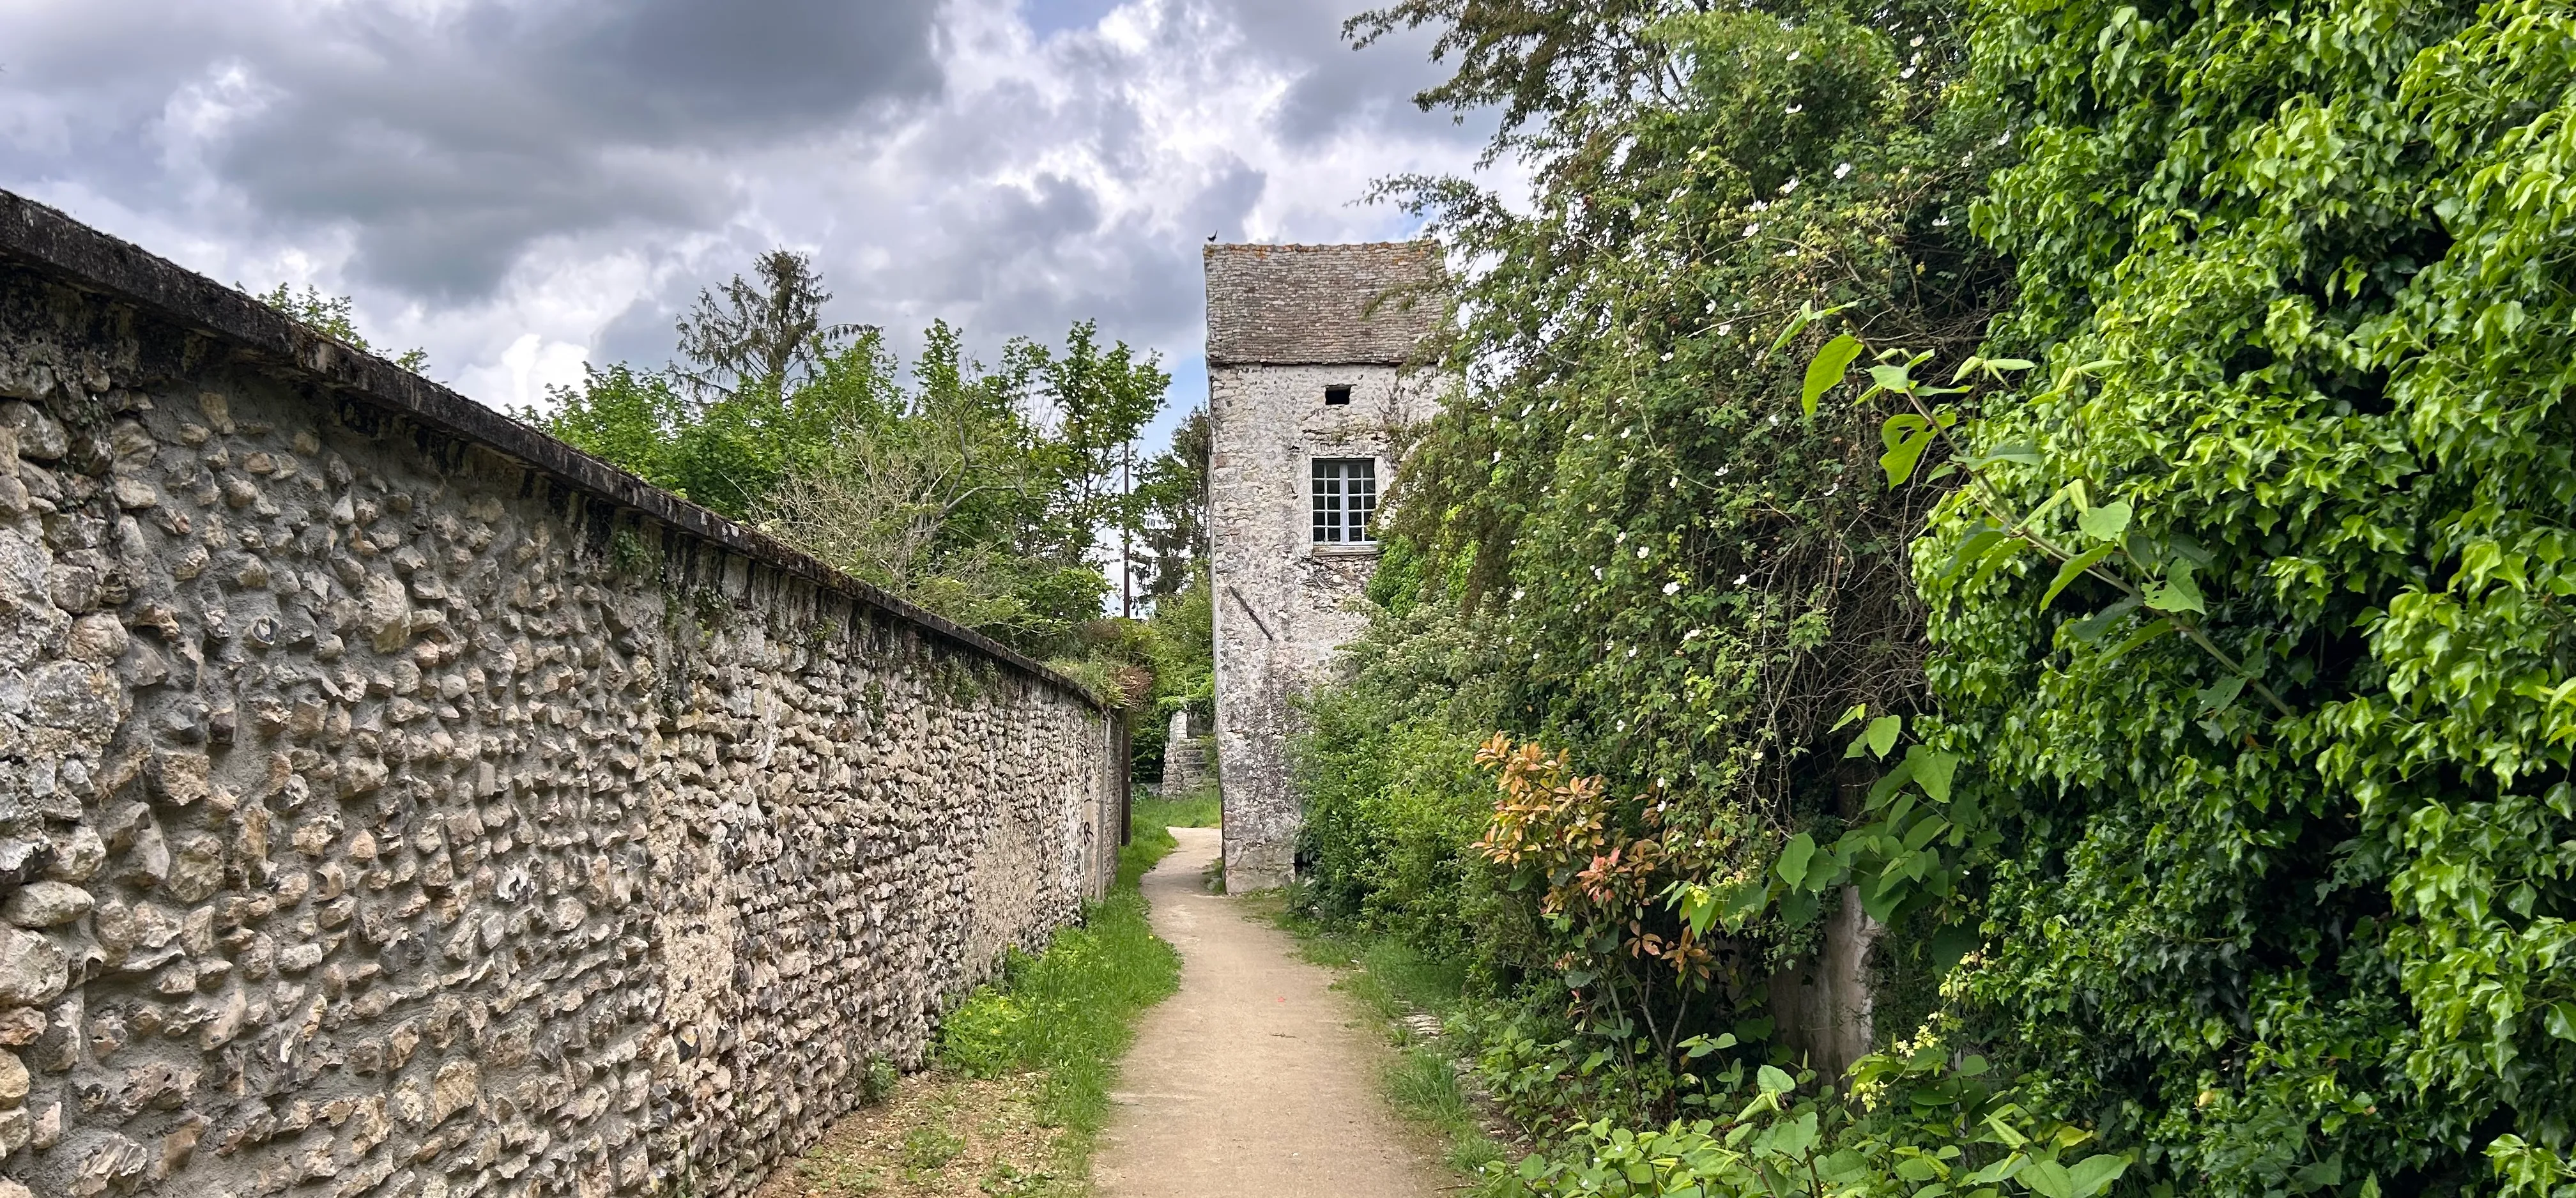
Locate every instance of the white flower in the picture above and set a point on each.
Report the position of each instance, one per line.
(1841, 171)
(1517, 592)
(1790, 186)
(1668, 355)
(2005, 139)
(1641, 553)
(1621, 539)
(1632, 650)
(1751, 229)
(1596, 573)
(1941, 222)
(1721, 471)
(1907, 73)
(1739, 579)
(1694, 634)
(1793, 56)
(1724, 329)
(1672, 588)
(1677, 482)
(1795, 109)
(1498, 455)
(1918, 40)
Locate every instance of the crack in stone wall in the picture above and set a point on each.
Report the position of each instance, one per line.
(383, 815)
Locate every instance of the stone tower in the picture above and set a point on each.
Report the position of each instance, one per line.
(1307, 388)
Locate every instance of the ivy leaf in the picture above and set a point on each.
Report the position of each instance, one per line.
(2561, 1020)
(2107, 522)
(1794, 858)
(1773, 1081)
(1826, 370)
(2217, 696)
(2073, 569)
(1892, 376)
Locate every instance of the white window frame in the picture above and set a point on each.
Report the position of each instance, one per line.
(1329, 504)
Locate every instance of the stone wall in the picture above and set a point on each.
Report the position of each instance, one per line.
(394, 802)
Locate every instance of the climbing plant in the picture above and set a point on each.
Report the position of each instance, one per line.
(2277, 742)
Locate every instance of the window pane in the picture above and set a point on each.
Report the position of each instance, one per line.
(1363, 504)
(1328, 500)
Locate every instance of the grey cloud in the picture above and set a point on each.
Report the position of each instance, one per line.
(449, 146)
(1340, 89)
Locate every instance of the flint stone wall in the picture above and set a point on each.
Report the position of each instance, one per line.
(393, 802)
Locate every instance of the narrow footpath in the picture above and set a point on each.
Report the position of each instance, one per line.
(1251, 1081)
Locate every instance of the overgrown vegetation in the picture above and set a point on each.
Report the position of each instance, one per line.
(1070, 1011)
(334, 316)
(2189, 690)
(1039, 1045)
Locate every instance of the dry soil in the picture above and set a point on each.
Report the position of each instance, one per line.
(1255, 1079)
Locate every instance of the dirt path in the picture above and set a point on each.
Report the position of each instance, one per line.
(1252, 1080)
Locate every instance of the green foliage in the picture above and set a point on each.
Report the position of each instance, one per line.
(1198, 809)
(1070, 1011)
(333, 316)
(1392, 796)
(1172, 494)
(2251, 764)
(975, 492)
(2300, 279)
(1620, 537)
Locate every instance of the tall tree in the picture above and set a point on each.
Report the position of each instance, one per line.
(1173, 496)
(767, 335)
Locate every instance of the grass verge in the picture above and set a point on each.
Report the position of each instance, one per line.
(1197, 809)
(1020, 1088)
(1411, 995)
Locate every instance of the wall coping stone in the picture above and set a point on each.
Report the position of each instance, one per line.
(53, 245)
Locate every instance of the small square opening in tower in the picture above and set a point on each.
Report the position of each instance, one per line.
(1337, 395)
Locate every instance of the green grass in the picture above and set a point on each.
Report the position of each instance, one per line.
(1070, 1012)
(1394, 980)
(1198, 809)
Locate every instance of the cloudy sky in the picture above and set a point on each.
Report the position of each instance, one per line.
(522, 185)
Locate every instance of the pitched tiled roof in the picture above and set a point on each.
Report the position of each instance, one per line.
(1312, 304)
